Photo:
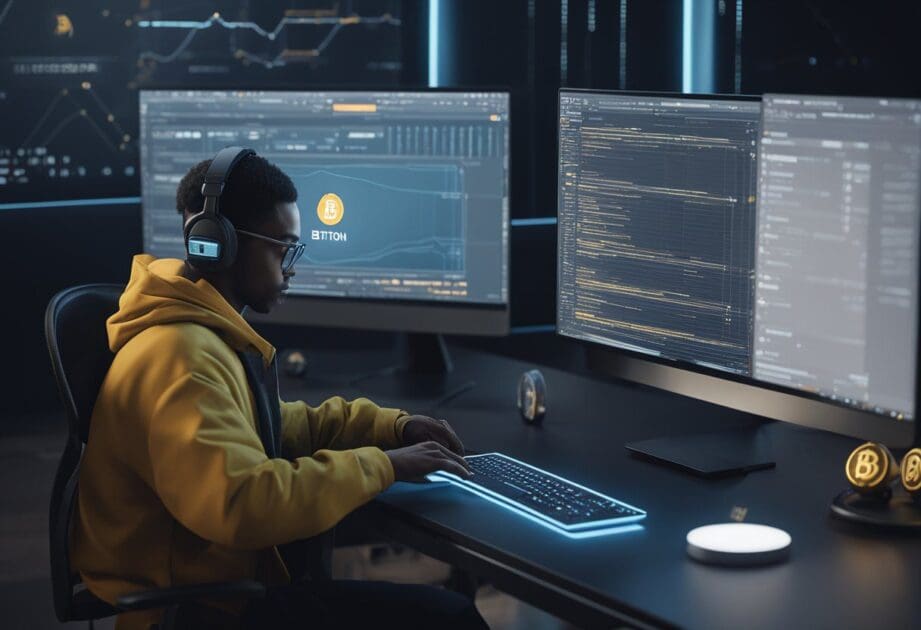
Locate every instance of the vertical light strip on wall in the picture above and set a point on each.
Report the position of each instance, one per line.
(434, 7)
(622, 79)
(687, 34)
(738, 65)
(698, 29)
(532, 105)
(564, 41)
(591, 16)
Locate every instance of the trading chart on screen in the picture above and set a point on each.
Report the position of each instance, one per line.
(401, 194)
(69, 74)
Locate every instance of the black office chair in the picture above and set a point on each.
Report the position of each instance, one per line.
(80, 356)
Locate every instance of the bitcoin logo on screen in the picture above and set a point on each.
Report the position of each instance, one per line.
(63, 26)
(330, 209)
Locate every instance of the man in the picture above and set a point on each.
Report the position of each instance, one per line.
(176, 486)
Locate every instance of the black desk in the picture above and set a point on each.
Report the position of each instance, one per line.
(837, 576)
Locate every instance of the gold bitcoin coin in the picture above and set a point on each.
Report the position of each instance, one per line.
(911, 470)
(870, 467)
(330, 209)
(63, 26)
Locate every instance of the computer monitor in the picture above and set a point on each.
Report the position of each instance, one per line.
(404, 197)
(761, 258)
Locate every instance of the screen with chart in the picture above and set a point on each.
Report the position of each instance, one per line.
(776, 243)
(70, 72)
(403, 195)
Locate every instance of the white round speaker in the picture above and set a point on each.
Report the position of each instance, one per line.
(738, 544)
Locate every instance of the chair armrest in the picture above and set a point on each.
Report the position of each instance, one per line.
(163, 597)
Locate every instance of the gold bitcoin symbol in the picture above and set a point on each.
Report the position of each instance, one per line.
(911, 470)
(63, 26)
(330, 209)
(867, 465)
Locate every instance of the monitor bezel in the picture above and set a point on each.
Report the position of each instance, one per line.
(383, 313)
(728, 389)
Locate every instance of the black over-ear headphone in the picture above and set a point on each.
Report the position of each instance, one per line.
(210, 239)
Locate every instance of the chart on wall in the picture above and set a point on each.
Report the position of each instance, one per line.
(70, 71)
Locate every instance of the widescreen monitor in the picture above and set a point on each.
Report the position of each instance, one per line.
(404, 197)
(764, 258)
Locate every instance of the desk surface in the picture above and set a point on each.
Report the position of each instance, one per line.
(837, 575)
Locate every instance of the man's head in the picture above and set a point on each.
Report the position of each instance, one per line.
(258, 198)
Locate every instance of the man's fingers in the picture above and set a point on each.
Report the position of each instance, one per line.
(447, 453)
(443, 452)
(454, 442)
(441, 432)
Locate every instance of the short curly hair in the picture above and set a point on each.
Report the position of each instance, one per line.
(253, 189)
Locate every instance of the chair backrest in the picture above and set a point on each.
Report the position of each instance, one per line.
(80, 357)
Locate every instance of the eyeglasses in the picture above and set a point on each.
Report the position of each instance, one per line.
(293, 251)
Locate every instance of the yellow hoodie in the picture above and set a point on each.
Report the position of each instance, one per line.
(175, 486)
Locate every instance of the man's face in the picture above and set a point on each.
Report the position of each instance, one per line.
(257, 270)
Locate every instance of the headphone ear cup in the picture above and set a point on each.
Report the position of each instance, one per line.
(230, 242)
(210, 239)
(210, 242)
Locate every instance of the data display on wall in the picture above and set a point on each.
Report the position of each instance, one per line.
(69, 74)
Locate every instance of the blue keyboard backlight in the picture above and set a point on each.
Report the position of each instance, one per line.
(576, 531)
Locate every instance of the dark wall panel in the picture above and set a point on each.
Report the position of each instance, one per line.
(44, 251)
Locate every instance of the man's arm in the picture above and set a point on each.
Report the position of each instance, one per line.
(210, 470)
(339, 424)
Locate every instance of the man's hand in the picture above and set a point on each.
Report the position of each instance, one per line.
(412, 463)
(422, 429)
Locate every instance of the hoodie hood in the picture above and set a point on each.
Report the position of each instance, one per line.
(158, 294)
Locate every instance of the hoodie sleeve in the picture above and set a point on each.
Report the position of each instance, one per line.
(339, 424)
(211, 473)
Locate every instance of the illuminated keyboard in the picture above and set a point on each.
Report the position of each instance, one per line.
(544, 497)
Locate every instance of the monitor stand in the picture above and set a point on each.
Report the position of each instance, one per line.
(423, 374)
(721, 454)
(426, 369)
(426, 353)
